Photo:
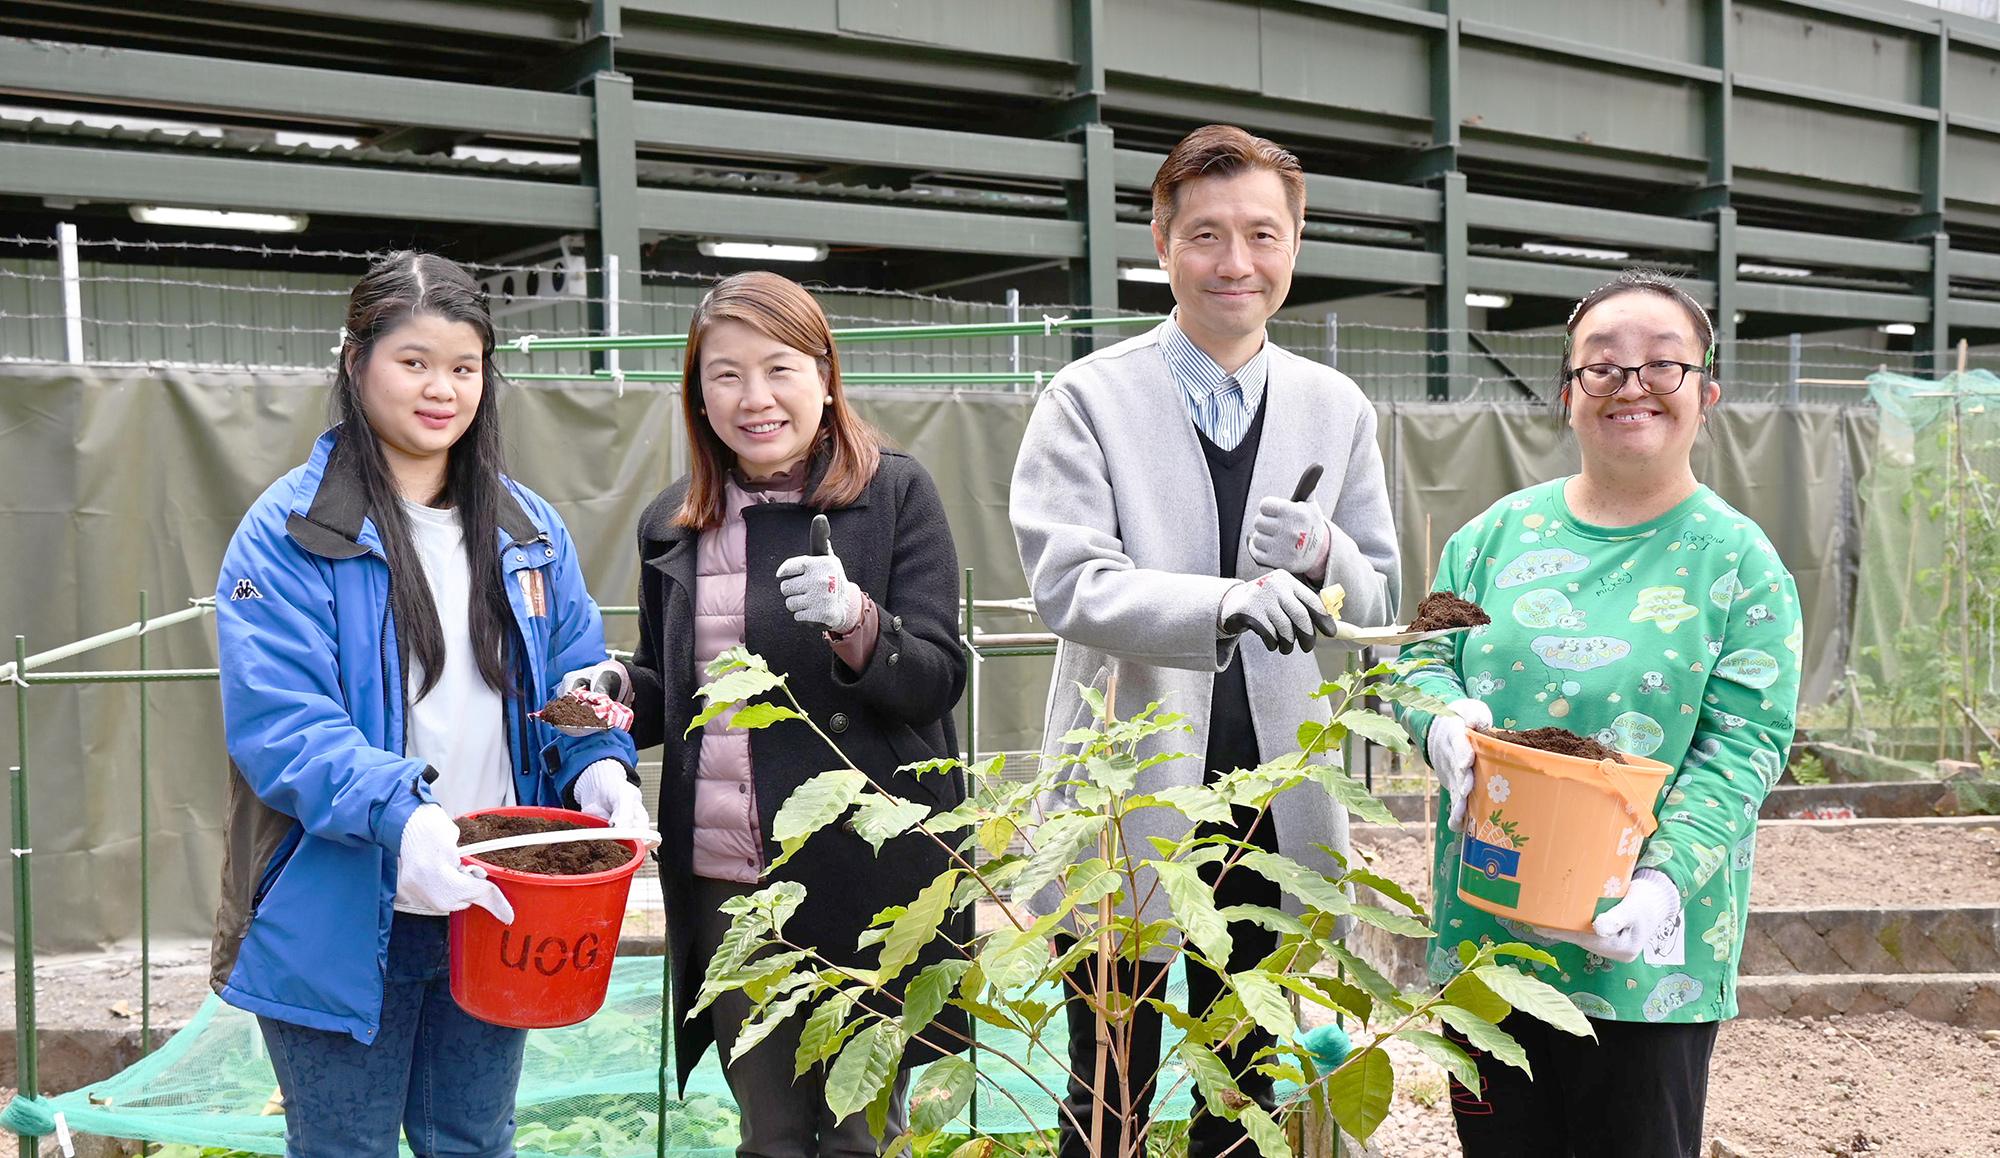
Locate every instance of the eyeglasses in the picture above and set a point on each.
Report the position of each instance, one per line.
(1603, 379)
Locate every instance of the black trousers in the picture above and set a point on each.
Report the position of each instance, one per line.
(1210, 1134)
(1636, 1092)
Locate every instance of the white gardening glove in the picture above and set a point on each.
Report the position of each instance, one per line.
(817, 592)
(1450, 753)
(606, 792)
(609, 678)
(1277, 609)
(1620, 933)
(429, 872)
(1288, 536)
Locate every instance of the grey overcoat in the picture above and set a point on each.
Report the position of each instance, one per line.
(1115, 518)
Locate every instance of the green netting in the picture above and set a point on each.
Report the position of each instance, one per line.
(1933, 484)
(590, 1089)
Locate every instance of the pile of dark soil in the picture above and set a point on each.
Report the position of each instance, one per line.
(1559, 741)
(1441, 609)
(557, 860)
(566, 711)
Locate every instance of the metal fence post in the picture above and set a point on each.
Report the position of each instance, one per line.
(24, 912)
(72, 291)
(145, 850)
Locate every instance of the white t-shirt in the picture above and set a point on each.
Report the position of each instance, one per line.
(460, 728)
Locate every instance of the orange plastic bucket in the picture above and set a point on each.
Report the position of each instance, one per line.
(552, 966)
(1549, 839)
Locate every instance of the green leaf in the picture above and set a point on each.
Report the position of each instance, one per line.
(865, 1065)
(1057, 843)
(879, 818)
(1353, 795)
(1445, 1053)
(1264, 917)
(1196, 802)
(752, 918)
(773, 1017)
(1265, 1133)
(1117, 772)
(1536, 998)
(1471, 994)
(1265, 1002)
(1332, 992)
(1211, 1077)
(1094, 698)
(762, 715)
(917, 926)
(1193, 902)
(1367, 976)
(941, 1094)
(1397, 923)
(977, 1147)
(1377, 727)
(814, 805)
(929, 991)
(1526, 951)
(1359, 1091)
(1311, 888)
(825, 1028)
(996, 834)
(1410, 697)
(1387, 888)
(1309, 735)
(1485, 1035)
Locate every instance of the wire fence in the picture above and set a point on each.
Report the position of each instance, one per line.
(166, 304)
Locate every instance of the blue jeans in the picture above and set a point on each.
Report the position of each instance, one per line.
(435, 1071)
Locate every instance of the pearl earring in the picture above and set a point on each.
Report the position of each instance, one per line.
(829, 400)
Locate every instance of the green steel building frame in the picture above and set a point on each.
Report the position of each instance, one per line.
(1459, 155)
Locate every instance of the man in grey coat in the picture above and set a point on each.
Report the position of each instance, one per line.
(1152, 506)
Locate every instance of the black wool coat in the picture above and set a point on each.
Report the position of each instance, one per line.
(895, 544)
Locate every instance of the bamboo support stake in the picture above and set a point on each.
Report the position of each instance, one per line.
(1104, 972)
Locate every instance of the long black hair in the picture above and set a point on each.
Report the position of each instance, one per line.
(398, 287)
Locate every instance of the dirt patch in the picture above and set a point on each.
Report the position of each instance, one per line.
(1902, 865)
(1886, 1084)
(566, 711)
(1801, 866)
(560, 860)
(1560, 741)
(1441, 609)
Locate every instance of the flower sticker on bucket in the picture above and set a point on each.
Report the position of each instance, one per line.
(1497, 790)
(1614, 886)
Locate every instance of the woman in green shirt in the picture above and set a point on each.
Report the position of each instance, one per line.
(1633, 605)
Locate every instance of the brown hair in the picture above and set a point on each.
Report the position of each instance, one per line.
(1224, 151)
(782, 310)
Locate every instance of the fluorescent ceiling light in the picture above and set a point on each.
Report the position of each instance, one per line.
(1489, 301)
(761, 251)
(220, 219)
(1772, 270)
(1151, 273)
(1583, 251)
(1899, 329)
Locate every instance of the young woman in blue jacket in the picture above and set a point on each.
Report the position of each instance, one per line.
(388, 614)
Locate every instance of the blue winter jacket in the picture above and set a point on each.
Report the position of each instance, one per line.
(313, 704)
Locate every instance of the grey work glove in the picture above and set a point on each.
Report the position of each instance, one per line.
(430, 873)
(1289, 536)
(609, 678)
(1276, 608)
(817, 592)
(1450, 753)
(1625, 930)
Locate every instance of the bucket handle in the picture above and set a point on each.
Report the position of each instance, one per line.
(1614, 773)
(564, 836)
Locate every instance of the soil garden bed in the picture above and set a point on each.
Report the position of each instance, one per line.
(576, 858)
(1441, 609)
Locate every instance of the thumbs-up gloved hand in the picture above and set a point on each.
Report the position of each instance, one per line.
(816, 589)
(1292, 535)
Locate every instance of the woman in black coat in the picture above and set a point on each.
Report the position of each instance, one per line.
(867, 636)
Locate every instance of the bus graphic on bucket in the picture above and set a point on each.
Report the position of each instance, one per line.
(1494, 872)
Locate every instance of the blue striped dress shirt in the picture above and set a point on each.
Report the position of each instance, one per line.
(1221, 404)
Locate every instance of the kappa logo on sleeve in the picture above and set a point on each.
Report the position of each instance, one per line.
(245, 590)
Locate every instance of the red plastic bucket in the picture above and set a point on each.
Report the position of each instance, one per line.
(552, 966)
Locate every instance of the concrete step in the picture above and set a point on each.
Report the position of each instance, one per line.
(1872, 941)
(1971, 1000)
